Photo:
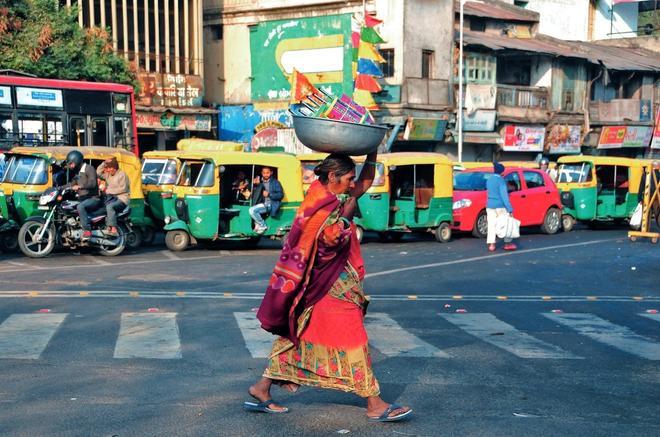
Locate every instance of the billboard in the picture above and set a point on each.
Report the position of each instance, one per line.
(616, 137)
(563, 139)
(319, 47)
(518, 138)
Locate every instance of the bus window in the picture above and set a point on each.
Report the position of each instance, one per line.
(30, 129)
(121, 103)
(6, 130)
(99, 132)
(54, 129)
(122, 133)
(77, 132)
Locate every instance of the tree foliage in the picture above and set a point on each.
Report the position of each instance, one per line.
(41, 37)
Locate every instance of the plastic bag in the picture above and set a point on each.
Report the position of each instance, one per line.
(507, 227)
(636, 218)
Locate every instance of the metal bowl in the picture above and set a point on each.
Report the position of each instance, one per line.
(333, 136)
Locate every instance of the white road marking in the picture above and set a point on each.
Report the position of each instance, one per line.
(655, 317)
(98, 261)
(392, 340)
(488, 328)
(148, 335)
(25, 336)
(257, 341)
(170, 255)
(23, 266)
(481, 258)
(608, 333)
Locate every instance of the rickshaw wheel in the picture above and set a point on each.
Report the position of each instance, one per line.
(443, 233)
(177, 240)
(567, 222)
(148, 235)
(9, 242)
(134, 238)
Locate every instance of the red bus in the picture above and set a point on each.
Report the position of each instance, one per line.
(53, 112)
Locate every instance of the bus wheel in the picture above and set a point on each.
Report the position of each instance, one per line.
(443, 233)
(177, 240)
(567, 222)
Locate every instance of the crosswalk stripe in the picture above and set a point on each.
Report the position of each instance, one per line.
(392, 340)
(148, 335)
(25, 336)
(488, 328)
(608, 333)
(655, 317)
(258, 341)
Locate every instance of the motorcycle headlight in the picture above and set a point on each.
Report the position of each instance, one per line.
(46, 198)
(463, 203)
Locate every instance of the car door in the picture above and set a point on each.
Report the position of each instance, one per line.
(516, 195)
(536, 195)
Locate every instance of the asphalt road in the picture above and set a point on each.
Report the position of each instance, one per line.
(558, 338)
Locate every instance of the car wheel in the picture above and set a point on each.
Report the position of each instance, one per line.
(567, 222)
(177, 240)
(480, 229)
(443, 232)
(552, 221)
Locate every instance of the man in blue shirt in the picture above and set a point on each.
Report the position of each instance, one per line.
(498, 204)
(267, 195)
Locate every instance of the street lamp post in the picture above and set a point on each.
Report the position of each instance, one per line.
(460, 81)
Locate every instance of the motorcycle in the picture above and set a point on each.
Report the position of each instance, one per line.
(60, 226)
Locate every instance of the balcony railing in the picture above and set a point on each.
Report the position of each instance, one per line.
(522, 96)
(422, 91)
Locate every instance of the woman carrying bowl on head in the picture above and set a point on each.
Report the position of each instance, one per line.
(315, 302)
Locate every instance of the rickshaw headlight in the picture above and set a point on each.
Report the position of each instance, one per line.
(167, 220)
(463, 203)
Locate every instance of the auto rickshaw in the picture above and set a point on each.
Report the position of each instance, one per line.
(30, 171)
(597, 189)
(411, 192)
(195, 144)
(308, 162)
(159, 173)
(208, 209)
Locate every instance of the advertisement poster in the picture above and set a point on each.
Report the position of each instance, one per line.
(479, 121)
(564, 139)
(319, 47)
(616, 137)
(523, 138)
(655, 144)
(420, 129)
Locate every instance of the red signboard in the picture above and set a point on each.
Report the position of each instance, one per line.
(523, 138)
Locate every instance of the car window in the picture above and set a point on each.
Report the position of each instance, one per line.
(533, 179)
(512, 181)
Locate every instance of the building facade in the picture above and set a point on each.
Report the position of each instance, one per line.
(162, 39)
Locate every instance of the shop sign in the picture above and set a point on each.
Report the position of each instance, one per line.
(264, 138)
(616, 137)
(564, 139)
(479, 121)
(425, 129)
(655, 144)
(480, 97)
(5, 95)
(170, 121)
(174, 90)
(41, 97)
(519, 138)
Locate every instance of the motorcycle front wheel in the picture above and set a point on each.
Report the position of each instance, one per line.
(30, 244)
(120, 243)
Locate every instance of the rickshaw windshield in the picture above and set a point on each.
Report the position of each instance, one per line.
(575, 173)
(28, 170)
(308, 175)
(158, 171)
(471, 180)
(379, 177)
(195, 174)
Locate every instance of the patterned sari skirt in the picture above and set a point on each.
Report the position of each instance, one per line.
(333, 351)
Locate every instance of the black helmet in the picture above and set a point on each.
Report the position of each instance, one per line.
(76, 158)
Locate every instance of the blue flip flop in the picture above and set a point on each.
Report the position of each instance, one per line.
(385, 417)
(262, 407)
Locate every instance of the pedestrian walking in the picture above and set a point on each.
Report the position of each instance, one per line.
(498, 205)
(315, 302)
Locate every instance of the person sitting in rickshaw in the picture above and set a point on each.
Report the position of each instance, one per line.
(267, 195)
(240, 188)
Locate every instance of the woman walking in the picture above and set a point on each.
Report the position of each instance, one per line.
(498, 204)
(315, 301)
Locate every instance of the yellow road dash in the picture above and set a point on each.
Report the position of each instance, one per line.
(227, 294)
(84, 293)
(181, 293)
(547, 298)
(638, 298)
(502, 298)
(134, 294)
(33, 293)
(412, 297)
(457, 297)
(592, 298)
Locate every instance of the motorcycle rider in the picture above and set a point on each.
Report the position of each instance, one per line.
(86, 185)
(117, 189)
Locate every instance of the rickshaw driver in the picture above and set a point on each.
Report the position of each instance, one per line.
(267, 195)
(86, 185)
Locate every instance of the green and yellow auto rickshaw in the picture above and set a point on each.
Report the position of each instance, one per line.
(597, 189)
(30, 171)
(159, 173)
(308, 162)
(412, 192)
(208, 209)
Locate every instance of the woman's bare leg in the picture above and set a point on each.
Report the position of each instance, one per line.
(261, 392)
(377, 406)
